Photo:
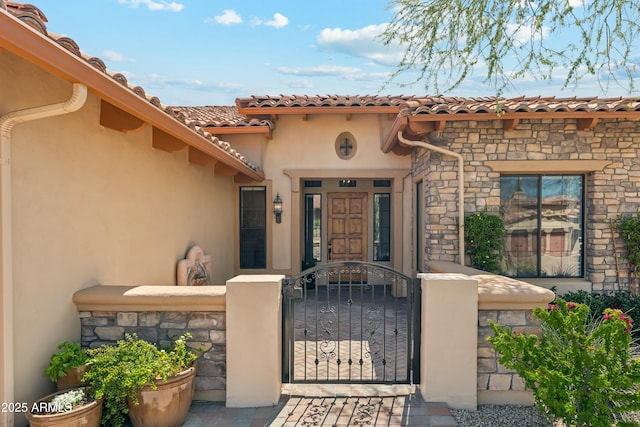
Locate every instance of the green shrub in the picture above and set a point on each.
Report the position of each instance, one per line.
(70, 355)
(598, 302)
(629, 229)
(484, 235)
(119, 371)
(581, 371)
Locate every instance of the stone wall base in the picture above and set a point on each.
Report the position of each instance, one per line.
(511, 397)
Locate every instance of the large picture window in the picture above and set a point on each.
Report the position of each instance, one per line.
(253, 229)
(543, 216)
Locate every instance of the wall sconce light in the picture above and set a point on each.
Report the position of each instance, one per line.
(277, 208)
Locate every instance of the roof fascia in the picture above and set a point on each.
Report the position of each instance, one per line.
(585, 120)
(525, 115)
(45, 53)
(276, 111)
(231, 130)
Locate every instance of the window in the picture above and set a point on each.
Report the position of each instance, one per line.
(253, 229)
(381, 227)
(543, 216)
(312, 230)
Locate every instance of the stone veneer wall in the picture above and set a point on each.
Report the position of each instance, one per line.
(207, 328)
(492, 376)
(610, 192)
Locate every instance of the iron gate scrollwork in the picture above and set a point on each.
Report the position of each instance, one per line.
(351, 322)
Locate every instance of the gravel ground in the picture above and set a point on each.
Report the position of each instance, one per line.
(500, 416)
(508, 416)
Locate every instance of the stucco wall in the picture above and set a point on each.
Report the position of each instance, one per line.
(95, 206)
(309, 145)
(610, 191)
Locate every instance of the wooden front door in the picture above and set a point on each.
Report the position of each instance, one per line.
(347, 240)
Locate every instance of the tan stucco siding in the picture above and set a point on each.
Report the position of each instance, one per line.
(95, 206)
(310, 145)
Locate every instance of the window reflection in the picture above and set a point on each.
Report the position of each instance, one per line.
(543, 219)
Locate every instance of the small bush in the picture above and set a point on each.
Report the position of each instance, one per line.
(581, 371)
(598, 302)
(484, 235)
(118, 372)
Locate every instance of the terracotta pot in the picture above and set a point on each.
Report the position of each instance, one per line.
(167, 406)
(73, 378)
(84, 416)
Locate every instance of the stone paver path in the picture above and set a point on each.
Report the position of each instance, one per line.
(340, 406)
(350, 334)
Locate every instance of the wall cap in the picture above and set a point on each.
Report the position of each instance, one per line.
(498, 292)
(151, 298)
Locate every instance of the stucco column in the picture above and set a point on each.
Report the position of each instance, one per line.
(254, 340)
(448, 361)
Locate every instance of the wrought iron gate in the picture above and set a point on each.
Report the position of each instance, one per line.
(351, 322)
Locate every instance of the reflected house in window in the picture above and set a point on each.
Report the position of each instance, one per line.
(543, 220)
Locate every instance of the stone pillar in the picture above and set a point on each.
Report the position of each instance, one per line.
(254, 340)
(448, 365)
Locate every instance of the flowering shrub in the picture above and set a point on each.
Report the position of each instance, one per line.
(580, 371)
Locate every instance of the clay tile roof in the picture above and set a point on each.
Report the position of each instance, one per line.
(209, 116)
(493, 105)
(34, 17)
(291, 101)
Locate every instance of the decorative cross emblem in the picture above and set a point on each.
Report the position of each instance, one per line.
(346, 147)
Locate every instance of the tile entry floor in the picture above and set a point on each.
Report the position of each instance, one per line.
(337, 406)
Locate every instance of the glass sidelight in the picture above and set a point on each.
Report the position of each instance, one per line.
(312, 229)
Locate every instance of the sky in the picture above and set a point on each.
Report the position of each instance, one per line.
(210, 52)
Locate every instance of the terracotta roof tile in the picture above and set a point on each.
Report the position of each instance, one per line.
(416, 105)
(34, 17)
(492, 105)
(223, 116)
(291, 101)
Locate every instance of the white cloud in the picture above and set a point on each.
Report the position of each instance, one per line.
(278, 21)
(154, 5)
(228, 17)
(578, 3)
(363, 42)
(300, 84)
(319, 70)
(114, 56)
(523, 34)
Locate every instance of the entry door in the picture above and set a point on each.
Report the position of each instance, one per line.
(347, 230)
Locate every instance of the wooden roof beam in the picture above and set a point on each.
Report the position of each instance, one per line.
(510, 124)
(438, 126)
(587, 123)
(421, 128)
(165, 142)
(199, 158)
(114, 118)
(224, 170)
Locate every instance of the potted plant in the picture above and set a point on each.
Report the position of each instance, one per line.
(68, 408)
(154, 386)
(68, 365)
